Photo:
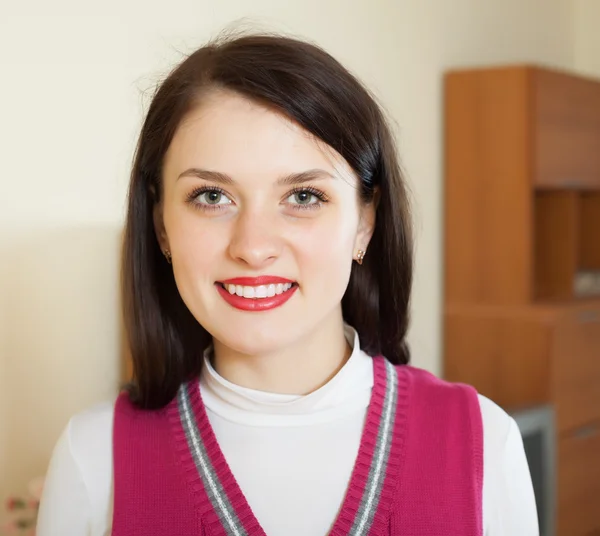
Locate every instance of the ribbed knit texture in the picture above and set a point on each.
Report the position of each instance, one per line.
(418, 472)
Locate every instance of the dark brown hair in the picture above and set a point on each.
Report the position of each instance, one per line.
(306, 84)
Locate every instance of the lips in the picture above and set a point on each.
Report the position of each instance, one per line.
(256, 281)
(251, 294)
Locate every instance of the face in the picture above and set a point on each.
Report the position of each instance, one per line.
(262, 221)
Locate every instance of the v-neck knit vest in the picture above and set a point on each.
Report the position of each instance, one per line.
(418, 472)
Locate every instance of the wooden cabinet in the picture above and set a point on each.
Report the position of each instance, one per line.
(527, 356)
(588, 247)
(522, 184)
(576, 368)
(521, 225)
(488, 200)
(503, 351)
(537, 355)
(579, 482)
(565, 130)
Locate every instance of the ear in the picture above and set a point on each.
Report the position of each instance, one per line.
(159, 226)
(366, 225)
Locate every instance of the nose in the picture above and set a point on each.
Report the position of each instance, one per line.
(255, 240)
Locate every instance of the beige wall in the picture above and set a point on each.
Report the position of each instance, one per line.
(60, 335)
(3, 392)
(587, 37)
(511, 31)
(79, 77)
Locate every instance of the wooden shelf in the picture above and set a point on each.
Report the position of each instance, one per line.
(589, 246)
(521, 254)
(522, 189)
(567, 242)
(557, 233)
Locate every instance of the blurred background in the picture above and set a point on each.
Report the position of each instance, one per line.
(76, 78)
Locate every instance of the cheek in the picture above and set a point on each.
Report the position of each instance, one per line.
(325, 253)
(332, 247)
(196, 245)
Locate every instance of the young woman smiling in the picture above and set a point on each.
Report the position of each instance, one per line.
(267, 274)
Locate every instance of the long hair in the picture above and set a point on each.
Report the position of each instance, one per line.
(306, 84)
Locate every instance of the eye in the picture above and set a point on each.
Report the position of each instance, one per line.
(209, 198)
(303, 198)
(306, 198)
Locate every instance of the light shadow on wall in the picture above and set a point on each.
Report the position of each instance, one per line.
(62, 343)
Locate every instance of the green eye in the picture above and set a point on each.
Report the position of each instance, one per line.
(213, 197)
(306, 198)
(210, 197)
(303, 198)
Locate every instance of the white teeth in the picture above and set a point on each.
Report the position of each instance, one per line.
(262, 291)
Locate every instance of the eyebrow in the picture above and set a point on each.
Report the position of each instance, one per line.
(286, 180)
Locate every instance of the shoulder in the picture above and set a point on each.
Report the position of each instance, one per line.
(431, 408)
(427, 392)
(508, 495)
(78, 484)
(89, 437)
(423, 379)
(498, 426)
(424, 387)
(447, 403)
(501, 435)
(92, 422)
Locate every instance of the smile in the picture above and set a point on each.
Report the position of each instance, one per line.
(260, 292)
(256, 294)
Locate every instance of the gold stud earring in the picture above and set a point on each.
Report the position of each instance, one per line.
(167, 255)
(360, 255)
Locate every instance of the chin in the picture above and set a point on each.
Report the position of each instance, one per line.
(255, 342)
(254, 333)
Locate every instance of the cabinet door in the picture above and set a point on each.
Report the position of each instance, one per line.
(504, 354)
(576, 368)
(566, 130)
(578, 482)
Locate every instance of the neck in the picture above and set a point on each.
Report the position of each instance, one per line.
(300, 368)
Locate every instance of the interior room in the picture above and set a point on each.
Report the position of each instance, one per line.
(496, 111)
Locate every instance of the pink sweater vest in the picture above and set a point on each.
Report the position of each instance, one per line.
(419, 469)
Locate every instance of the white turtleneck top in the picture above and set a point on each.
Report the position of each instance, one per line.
(298, 439)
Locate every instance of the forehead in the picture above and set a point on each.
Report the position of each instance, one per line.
(234, 135)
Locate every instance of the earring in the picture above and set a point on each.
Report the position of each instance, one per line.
(360, 255)
(167, 255)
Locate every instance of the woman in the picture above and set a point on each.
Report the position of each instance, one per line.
(267, 268)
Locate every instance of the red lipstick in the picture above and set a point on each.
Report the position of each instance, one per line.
(256, 304)
(256, 281)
